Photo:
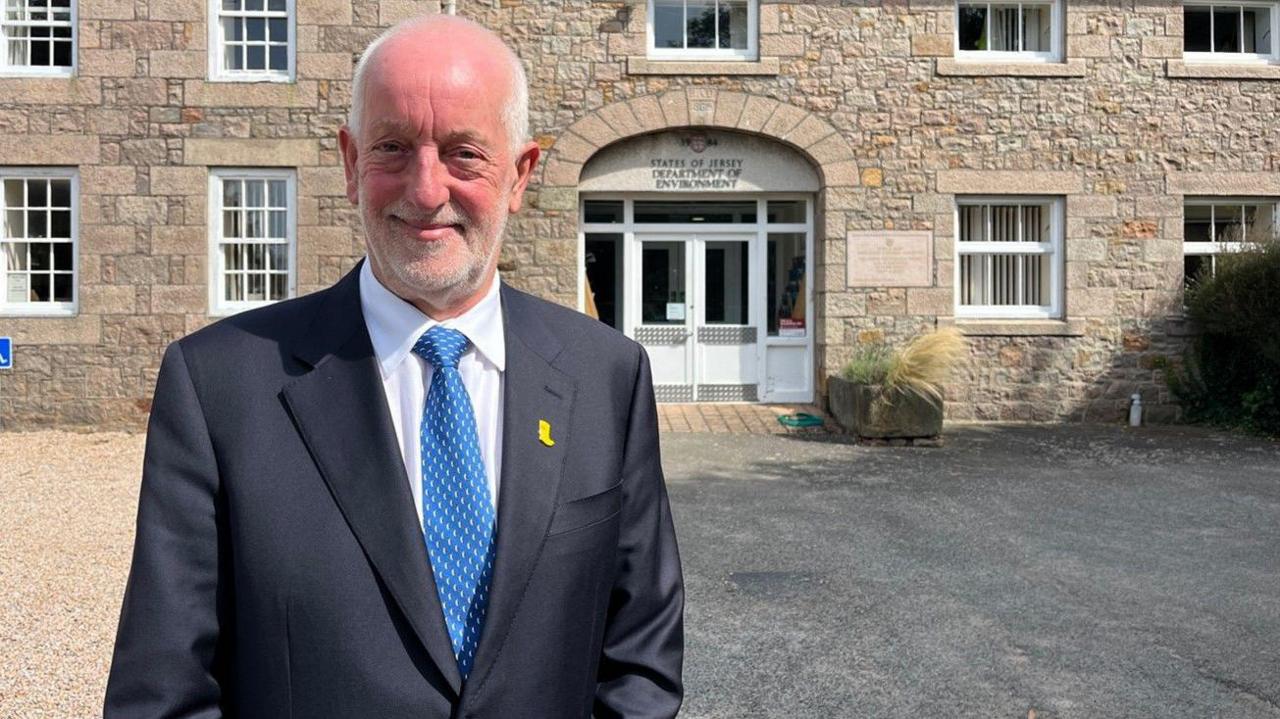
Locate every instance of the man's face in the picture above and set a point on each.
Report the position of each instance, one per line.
(432, 170)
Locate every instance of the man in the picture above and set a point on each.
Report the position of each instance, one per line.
(418, 493)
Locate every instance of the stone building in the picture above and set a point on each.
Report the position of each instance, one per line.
(751, 189)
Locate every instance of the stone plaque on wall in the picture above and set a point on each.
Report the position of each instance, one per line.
(890, 258)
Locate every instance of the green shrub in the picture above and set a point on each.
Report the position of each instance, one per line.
(870, 364)
(1231, 376)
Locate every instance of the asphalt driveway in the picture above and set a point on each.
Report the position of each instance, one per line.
(1065, 571)
(1073, 571)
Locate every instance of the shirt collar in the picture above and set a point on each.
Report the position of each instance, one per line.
(395, 325)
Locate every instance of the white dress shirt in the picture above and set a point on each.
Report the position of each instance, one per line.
(394, 327)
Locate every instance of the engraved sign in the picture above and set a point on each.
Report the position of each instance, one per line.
(888, 258)
(697, 160)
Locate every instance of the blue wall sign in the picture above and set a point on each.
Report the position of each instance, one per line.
(6, 353)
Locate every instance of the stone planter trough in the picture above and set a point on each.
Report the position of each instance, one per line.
(862, 410)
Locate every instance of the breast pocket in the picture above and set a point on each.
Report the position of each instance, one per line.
(587, 511)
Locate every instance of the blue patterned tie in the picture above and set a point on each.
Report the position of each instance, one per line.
(457, 512)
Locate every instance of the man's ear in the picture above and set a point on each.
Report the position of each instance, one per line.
(525, 162)
(347, 143)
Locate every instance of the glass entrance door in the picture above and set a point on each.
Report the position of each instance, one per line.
(698, 315)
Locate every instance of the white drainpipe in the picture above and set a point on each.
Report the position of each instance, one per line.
(450, 7)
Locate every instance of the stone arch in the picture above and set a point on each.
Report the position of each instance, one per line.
(809, 134)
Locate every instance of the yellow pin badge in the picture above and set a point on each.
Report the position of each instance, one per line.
(544, 433)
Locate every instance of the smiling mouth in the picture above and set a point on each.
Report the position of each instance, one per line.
(430, 232)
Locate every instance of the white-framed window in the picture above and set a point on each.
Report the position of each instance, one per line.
(1213, 226)
(252, 238)
(1009, 31)
(1231, 32)
(38, 241)
(703, 29)
(1009, 258)
(252, 40)
(38, 37)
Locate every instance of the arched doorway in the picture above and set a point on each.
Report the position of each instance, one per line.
(698, 243)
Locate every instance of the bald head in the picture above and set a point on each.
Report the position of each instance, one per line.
(439, 40)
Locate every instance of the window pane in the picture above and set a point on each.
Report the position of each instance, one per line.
(234, 59)
(256, 255)
(257, 291)
(1193, 268)
(1196, 223)
(231, 193)
(672, 212)
(40, 288)
(61, 224)
(276, 5)
(14, 193)
(279, 58)
(1228, 223)
(15, 223)
(41, 256)
(700, 23)
(1257, 30)
(62, 288)
(973, 223)
(232, 29)
(785, 280)
(1037, 28)
(256, 27)
(255, 193)
(279, 287)
(233, 257)
(233, 288)
(253, 5)
(1037, 224)
(1004, 28)
(36, 224)
(15, 254)
(277, 193)
(1226, 29)
(61, 193)
(604, 276)
(662, 300)
(733, 24)
(725, 283)
(37, 193)
(253, 224)
(1004, 223)
(62, 53)
(602, 211)
(1260, 223)
(278, 256)
(785, 211)
(62, 256)
(230, 4)
(41, 55)
(279, 226)
(278, 29)
(255, 57)
(668, 23)
(231, 224)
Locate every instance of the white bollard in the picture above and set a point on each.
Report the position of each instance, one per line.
(1135, 410)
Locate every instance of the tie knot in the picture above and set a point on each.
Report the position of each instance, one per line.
(441, 346)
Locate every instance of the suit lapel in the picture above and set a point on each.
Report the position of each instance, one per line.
(533, 392)
(339, 410)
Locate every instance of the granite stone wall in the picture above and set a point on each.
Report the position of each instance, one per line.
(868, 92)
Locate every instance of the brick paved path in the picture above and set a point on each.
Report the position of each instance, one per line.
(731, 418)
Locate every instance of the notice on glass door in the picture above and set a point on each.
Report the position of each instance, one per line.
(675, 312)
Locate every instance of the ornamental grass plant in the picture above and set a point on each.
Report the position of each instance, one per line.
(920, 367)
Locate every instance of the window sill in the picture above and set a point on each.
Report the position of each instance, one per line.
(950, 67)
(27, 71)
(646, 66)
(1221, 70)
(58, 311)
(251, 78)
(1014, 328)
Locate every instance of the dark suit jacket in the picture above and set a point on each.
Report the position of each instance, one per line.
(280, 571)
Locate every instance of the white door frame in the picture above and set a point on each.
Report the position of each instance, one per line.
(633, 233)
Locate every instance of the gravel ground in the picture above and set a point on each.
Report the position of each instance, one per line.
(67, 506)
